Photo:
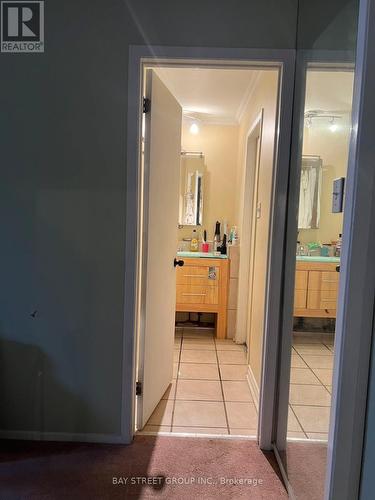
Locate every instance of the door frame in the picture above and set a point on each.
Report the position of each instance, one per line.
(354, 322)
(244, 270)
(253, 195)
(139, 57)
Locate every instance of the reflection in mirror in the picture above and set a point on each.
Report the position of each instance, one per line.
(310, 190)
(191, 189)
(325, 149)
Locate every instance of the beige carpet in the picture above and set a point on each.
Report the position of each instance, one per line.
(172, 467)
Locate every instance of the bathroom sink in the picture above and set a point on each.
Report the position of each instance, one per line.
(203, 255)
(317, 258)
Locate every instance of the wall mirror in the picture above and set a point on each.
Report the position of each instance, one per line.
(192, 172)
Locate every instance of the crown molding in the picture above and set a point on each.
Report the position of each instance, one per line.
(209, 119)
(247, 96)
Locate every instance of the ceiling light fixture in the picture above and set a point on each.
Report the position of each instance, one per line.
(194, 121)
(333, 126)
(194, 129)
(317, 114)
(308, 121)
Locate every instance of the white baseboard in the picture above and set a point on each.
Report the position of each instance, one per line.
(63, 436)
(254, 389)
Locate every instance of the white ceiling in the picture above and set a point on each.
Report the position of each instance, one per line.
(219, 96)
(211, 95)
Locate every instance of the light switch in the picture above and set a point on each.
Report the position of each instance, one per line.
(259, 210)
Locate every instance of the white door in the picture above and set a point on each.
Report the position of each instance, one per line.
(162, 150)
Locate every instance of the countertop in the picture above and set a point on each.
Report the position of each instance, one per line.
(299, 258)
(203, 255)
(317, 258)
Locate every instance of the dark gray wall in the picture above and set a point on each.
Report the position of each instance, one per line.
(63, 191)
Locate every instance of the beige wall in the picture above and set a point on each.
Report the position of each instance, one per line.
(263, 97)
(219, 144)
(333, 148)
(328, 91)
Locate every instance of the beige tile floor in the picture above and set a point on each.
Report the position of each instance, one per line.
(209, 393)
(310, 386)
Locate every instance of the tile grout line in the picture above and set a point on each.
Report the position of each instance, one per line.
(324, 385)
(303, 430)
(317, 368)
(217, 400)
(222, 389)
(298, 354)
(318, 384)
(178, 369)
(217, 364)
(304, 405)
(301, 355)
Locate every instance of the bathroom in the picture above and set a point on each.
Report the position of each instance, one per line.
(224, 194)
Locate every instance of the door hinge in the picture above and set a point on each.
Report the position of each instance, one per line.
(146, 104)
(138, 388)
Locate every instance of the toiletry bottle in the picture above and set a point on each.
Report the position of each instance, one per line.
(217, 238)
(234, 235)
(205, 244)
(298, 248)
(338, 246)
(223, 248)
(194, 241)
(225, 228)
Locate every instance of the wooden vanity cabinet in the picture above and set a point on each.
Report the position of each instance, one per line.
(316, 289)
(202, 286)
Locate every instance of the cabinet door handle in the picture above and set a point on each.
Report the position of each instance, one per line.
(199, 294)
(329, 281)
(195, 275)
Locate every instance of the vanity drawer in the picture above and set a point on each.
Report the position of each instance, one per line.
(322, 299)
(198, 275)
(301, 280)
(300, 297)
(197, 294)
(330, 281)
(323, 280)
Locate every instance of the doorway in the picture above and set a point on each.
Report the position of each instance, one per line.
(274, 157)
(212, 389)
